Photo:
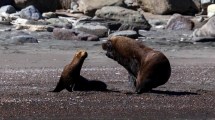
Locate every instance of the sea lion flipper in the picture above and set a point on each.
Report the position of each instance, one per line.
(60, 86)
(70, 88)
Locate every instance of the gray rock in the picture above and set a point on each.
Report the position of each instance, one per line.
(127, 33)
(49, 15)
(21, 39)
(179, 22)
(74, 6)
(92, 28)
(30, 13)
(206, 32)
(5, 21)
(7, 9)
(129, 18)
(59, 23)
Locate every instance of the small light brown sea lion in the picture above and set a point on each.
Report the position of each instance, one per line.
(147, 68)
(71, 72)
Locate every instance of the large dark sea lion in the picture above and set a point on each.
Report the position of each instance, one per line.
(147, 68)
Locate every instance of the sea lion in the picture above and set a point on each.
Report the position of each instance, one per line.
(71, 72)
(147, 68)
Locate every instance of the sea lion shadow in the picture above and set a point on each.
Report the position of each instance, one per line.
(173, 93)
(85, 84)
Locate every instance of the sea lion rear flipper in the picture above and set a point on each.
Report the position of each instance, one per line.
(70, 88)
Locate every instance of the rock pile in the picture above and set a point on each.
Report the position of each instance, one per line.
(89, 20)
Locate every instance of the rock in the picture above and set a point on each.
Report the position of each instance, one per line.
(20, 21)
(179, 22)
(5, 18)
(34, 28)
(157, 23)
(41, 5)
(92, 28)
(126, 33)
(87, 37)
(59, 23)
(74, 6)
(30, 13)
(31, 25)
(6, 2)
(128, 17)
(169, 6)
(200, 19)
(64, 34)
(4, 21)
(21, 39)
(7, 9)
(49, 15)
(204, 39)
(131, 3)
(90, 6)
(71, 34)
(207, 30)
(65, 4)
(211, 10)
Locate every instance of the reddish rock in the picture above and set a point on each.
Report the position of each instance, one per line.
(71, 34)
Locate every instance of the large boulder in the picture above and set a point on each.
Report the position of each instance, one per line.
(7, 9)
(128, 17)
(206, 33)
(211, 10)
(207, 30)
(169, 6)
(30, 13)
(90, 6)
(179, 22)
(43, 5)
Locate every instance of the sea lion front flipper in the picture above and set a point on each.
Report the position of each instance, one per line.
(132, 80)
(60, 86)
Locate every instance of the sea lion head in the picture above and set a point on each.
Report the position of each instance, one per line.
(108, 46)
(81, 54)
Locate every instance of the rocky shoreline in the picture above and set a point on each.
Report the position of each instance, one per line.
(103, 19)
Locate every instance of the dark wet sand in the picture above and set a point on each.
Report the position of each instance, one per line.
(26, 77)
